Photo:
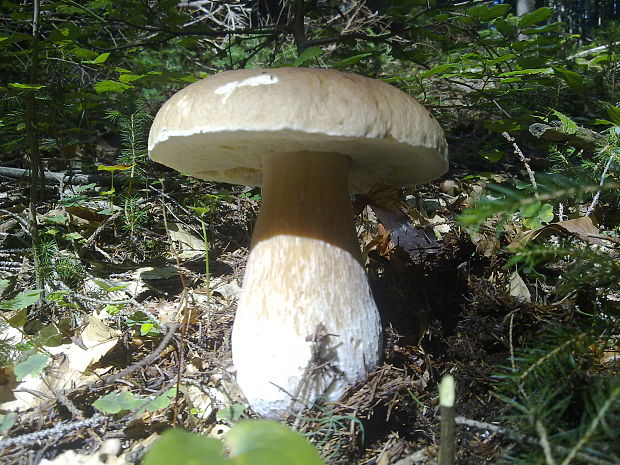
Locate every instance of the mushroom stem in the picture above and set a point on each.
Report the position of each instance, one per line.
(307, 195)
(307, 325)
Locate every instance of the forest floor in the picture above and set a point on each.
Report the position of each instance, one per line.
(446, 302)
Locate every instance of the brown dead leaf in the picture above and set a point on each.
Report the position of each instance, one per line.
(582, 228)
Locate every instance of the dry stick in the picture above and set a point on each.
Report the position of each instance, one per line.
(59, 430)
(146, 360)
(527, 439)
(447, 440)
(524, 160)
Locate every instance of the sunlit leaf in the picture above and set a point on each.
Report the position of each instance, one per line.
(33, 366)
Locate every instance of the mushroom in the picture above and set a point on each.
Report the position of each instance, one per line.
(306, 326)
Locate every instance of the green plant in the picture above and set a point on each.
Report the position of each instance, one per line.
(259, 442)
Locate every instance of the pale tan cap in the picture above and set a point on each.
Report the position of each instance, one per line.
(224, 127)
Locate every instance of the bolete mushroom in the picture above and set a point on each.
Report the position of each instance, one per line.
(306, 324)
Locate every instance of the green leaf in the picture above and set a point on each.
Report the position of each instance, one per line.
(265, 442)
(307, 55)
(440, 69)
(115, 402)
(182, 448)
(99, 60)
(546, 213)
(33, 366)
(493, 156)
(7, 421)
(504, 27)
(573, 79)
(109, 287)
(17, 85)
(201, 210)
(532, 223)
(126, 78)
(230, 413)
(613, 112)
(113, 168)
(524, 72)
(146, 328)
(22, 300)
(535, 17)
(255, 442)
(531, 209)
(110, 86)
(487, 12)
(4, 283)
(568, 125)
(352, 60)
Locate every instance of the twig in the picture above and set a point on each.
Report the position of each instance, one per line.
(58, 431)
(524, 160)
(146, 360)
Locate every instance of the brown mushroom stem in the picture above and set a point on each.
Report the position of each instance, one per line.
(307, 325)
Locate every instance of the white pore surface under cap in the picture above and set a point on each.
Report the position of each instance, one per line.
(316, 289)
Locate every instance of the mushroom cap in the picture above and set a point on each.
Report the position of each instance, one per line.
(224, 127)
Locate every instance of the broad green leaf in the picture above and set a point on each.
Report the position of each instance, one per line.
(19, 318)
(546, 213)
(265, 442)
(568, 125)
(532, 223)
(504, 27)
(307, 55)
(146, 328)
(493, 156)
(7, 421)
(487, 12)
(22, 300)
(99, 60)
(573, 79)
(56, 219)
(126, 78)
(17, 85)
(230, 413)
(115, 402)
(531, 209)
(352, 60)
(4, 283)
(439, 69)
(535, 17)
(524, 72)
(110, 287)
(49, 336)
(113, 168)
(33, 366)
(179, 447)
(201, 210)
(257, 442)
(110, 86)
(613, 112)
(502, 59)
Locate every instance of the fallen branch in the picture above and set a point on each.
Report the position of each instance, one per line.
(582, 138)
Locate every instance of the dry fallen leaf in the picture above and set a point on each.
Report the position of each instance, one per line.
(68, 367)
(582, 227)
